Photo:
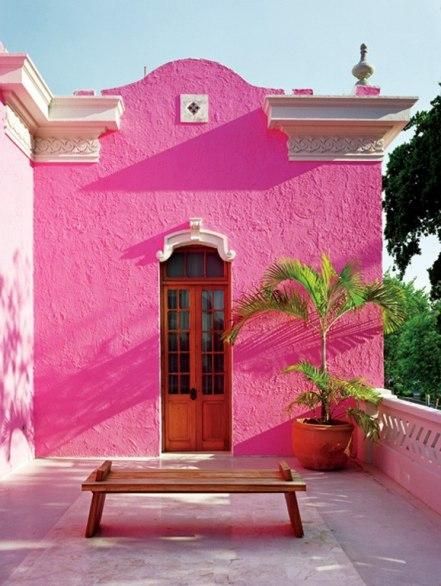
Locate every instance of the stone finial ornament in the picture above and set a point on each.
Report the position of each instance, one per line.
(362, 71)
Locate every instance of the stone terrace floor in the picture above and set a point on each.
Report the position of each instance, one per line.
(360, 528)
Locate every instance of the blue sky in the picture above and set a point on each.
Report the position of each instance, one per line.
(275, 43)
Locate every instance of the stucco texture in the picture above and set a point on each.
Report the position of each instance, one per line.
(16, 305)
(98, 228)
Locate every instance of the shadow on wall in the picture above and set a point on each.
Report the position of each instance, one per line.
(240, 155)
(16, 361)
(93, 397)
(146, 251)
(273, 344)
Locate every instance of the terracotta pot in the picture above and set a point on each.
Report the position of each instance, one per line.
(321, 447)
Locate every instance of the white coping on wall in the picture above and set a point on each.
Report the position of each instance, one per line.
(338, 127)
(52, 128)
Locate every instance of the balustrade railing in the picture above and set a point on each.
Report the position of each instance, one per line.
(414, 430)
(409, 449)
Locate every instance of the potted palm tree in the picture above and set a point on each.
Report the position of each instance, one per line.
(321, 298)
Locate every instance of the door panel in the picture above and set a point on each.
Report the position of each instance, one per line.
(181, 425)
(213, 424)
(195, 360)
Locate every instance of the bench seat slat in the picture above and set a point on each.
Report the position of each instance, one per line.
(202, 485)
(193, 473)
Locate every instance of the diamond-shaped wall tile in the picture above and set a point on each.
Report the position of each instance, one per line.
(194, 108)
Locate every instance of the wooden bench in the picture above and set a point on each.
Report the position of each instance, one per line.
(104, 480)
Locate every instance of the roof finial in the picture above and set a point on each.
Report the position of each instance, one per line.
(362, 71)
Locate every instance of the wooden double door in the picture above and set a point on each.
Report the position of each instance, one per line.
(195, 360)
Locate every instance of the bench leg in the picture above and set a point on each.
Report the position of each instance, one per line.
(95, 513)
(294, 513)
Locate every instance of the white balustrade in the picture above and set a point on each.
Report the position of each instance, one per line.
(409, 450)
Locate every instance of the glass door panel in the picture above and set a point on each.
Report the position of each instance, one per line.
(212, 347)
(178, 336)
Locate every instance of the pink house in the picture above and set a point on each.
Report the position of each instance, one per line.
(131, 220)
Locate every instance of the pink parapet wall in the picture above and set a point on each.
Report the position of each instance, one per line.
(16, 305)
(98, 228)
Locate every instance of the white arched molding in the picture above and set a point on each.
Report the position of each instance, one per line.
(195, 234)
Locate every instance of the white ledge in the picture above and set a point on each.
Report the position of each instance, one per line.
(70, 119)
(391, 401)
(338, 127)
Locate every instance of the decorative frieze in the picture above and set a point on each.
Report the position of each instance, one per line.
(71, 149)
(52, 149)
(334, 147)
(18, 132)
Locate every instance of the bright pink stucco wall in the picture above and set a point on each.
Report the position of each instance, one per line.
(98, 228)
(16, 305)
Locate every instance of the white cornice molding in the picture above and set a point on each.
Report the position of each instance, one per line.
(73, 121)
(18, 132)
(195, 234)
(338, 127)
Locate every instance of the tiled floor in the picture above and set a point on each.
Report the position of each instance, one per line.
(360, 528)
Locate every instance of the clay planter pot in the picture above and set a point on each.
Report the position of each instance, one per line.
(321, 447)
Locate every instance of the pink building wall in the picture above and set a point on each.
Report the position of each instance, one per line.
(98, 228)
(16, 305)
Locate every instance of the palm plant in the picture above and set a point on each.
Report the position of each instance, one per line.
(321, 298)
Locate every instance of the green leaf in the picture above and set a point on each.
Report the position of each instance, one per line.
(392, 302)
(328, 271)
(315, 375)
(367, 423)
(307, 398)
(350, 281)
(261, 302)
(359, 390)
(294, 270)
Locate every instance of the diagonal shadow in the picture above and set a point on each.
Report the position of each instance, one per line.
(146, 250)
(267, 349)
(239, 155)
(105, 388)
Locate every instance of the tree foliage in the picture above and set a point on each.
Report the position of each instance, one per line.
(412, 186)
(413, 353)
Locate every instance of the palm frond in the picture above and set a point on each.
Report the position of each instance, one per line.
(328, 272)
(349, 288)
(391, 299)
(265, 301)
(367, 423)
(294, 270)
(315, 375)
(307, 398)
(359, 390)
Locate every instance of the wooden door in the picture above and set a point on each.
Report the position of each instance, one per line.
(195, 361)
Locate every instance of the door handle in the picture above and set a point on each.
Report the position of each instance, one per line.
(193, 394)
